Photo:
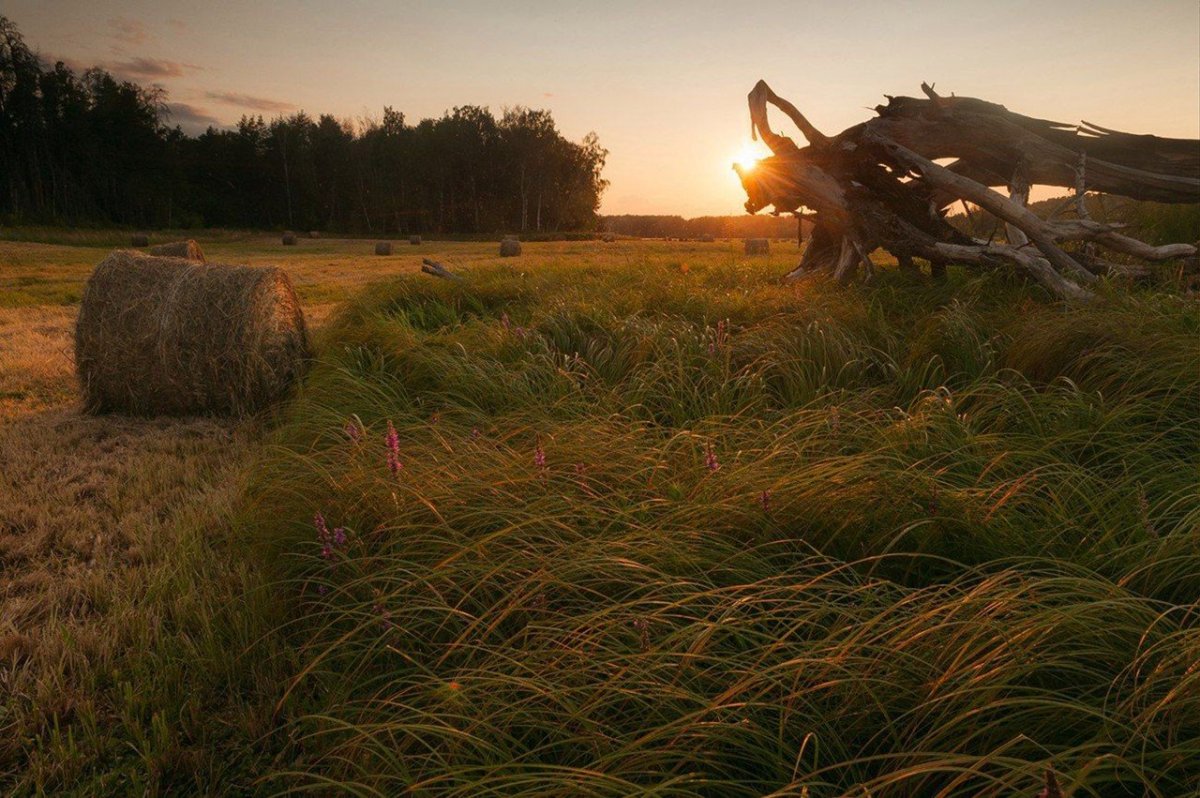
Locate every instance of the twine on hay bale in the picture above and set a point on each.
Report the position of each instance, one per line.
(757, 246)
(289, 239)
(383, 248)
(139, 240)
(179, 249)
(510, 248)
(414, 240)
(169, 336)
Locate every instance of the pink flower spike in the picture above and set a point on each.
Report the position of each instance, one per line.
(339, 536)
(321, 526)
(353, 430)
(539, 456)
(764, 499)
(710, 458)
(393, 450)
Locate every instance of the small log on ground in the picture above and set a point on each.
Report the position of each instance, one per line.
(435, 269)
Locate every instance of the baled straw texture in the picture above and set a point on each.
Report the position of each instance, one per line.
(757, 246)
(179, 249)
(289, 239)
(510, 247)
(414, 240)
(383, 248)
(168, 336)
(139, 240)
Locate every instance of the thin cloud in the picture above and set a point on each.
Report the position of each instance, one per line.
(150, 68)
(128, 31)
(177, 25)
(547, 94)
(252, 103)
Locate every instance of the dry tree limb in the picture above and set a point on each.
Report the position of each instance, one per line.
(877, 185)
(432, 267)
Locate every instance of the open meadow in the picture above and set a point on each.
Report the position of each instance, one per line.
(625, 518)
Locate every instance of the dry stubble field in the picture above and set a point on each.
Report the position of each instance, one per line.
(95, 511)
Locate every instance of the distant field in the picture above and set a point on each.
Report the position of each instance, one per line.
(649, 524)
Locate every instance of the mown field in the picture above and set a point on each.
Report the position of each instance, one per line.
(624, 519)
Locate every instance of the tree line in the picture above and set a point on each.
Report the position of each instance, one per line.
(764, 226)
(91, 148)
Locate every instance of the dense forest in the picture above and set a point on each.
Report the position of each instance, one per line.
(93, 149)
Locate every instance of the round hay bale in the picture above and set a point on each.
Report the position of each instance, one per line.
(757, 246)
(139, 240)
(179, 249)
(414, 240)
(706, 239)
(383, 248)
(289, 239)
(169, 336)
(510, 248)
(608, 238)
(314, 234)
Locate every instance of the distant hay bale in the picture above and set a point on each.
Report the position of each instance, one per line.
(757, 246)
(383, 248)
(414, 240)
(169, 336)
(608, 238)
(139, 240)
(179, 249)
(706, 239)
(314, 234)
(289, 239)
(510, 248)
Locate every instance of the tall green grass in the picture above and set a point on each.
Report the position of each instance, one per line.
(675, 534)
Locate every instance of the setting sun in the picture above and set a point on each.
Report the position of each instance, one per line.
(751, 153)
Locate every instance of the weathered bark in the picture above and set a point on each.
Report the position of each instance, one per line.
(877, 185)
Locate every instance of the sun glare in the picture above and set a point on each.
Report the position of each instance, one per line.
(750, 154)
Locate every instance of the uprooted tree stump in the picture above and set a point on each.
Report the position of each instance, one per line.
(876, 185)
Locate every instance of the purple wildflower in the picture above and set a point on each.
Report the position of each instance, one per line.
(475, 433)
(339, 536)
(539, 456)
(353, 430)
(580, 469)
(764, 499)
(710, 458)
(322, 590)
(504, 322)
(321, 527)
(393, 450)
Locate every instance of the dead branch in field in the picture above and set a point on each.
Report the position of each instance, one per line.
(877, 185)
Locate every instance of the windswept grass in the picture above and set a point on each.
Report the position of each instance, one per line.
(655, 531)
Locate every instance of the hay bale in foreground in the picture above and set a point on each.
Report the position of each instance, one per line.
(757, 246)
(414, 240)
(383, 248)
(510, 248)
(289, 239)
(168, 336)
(179, 249)
(139, 240)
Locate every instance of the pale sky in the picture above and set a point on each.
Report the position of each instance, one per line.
(662, 83)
